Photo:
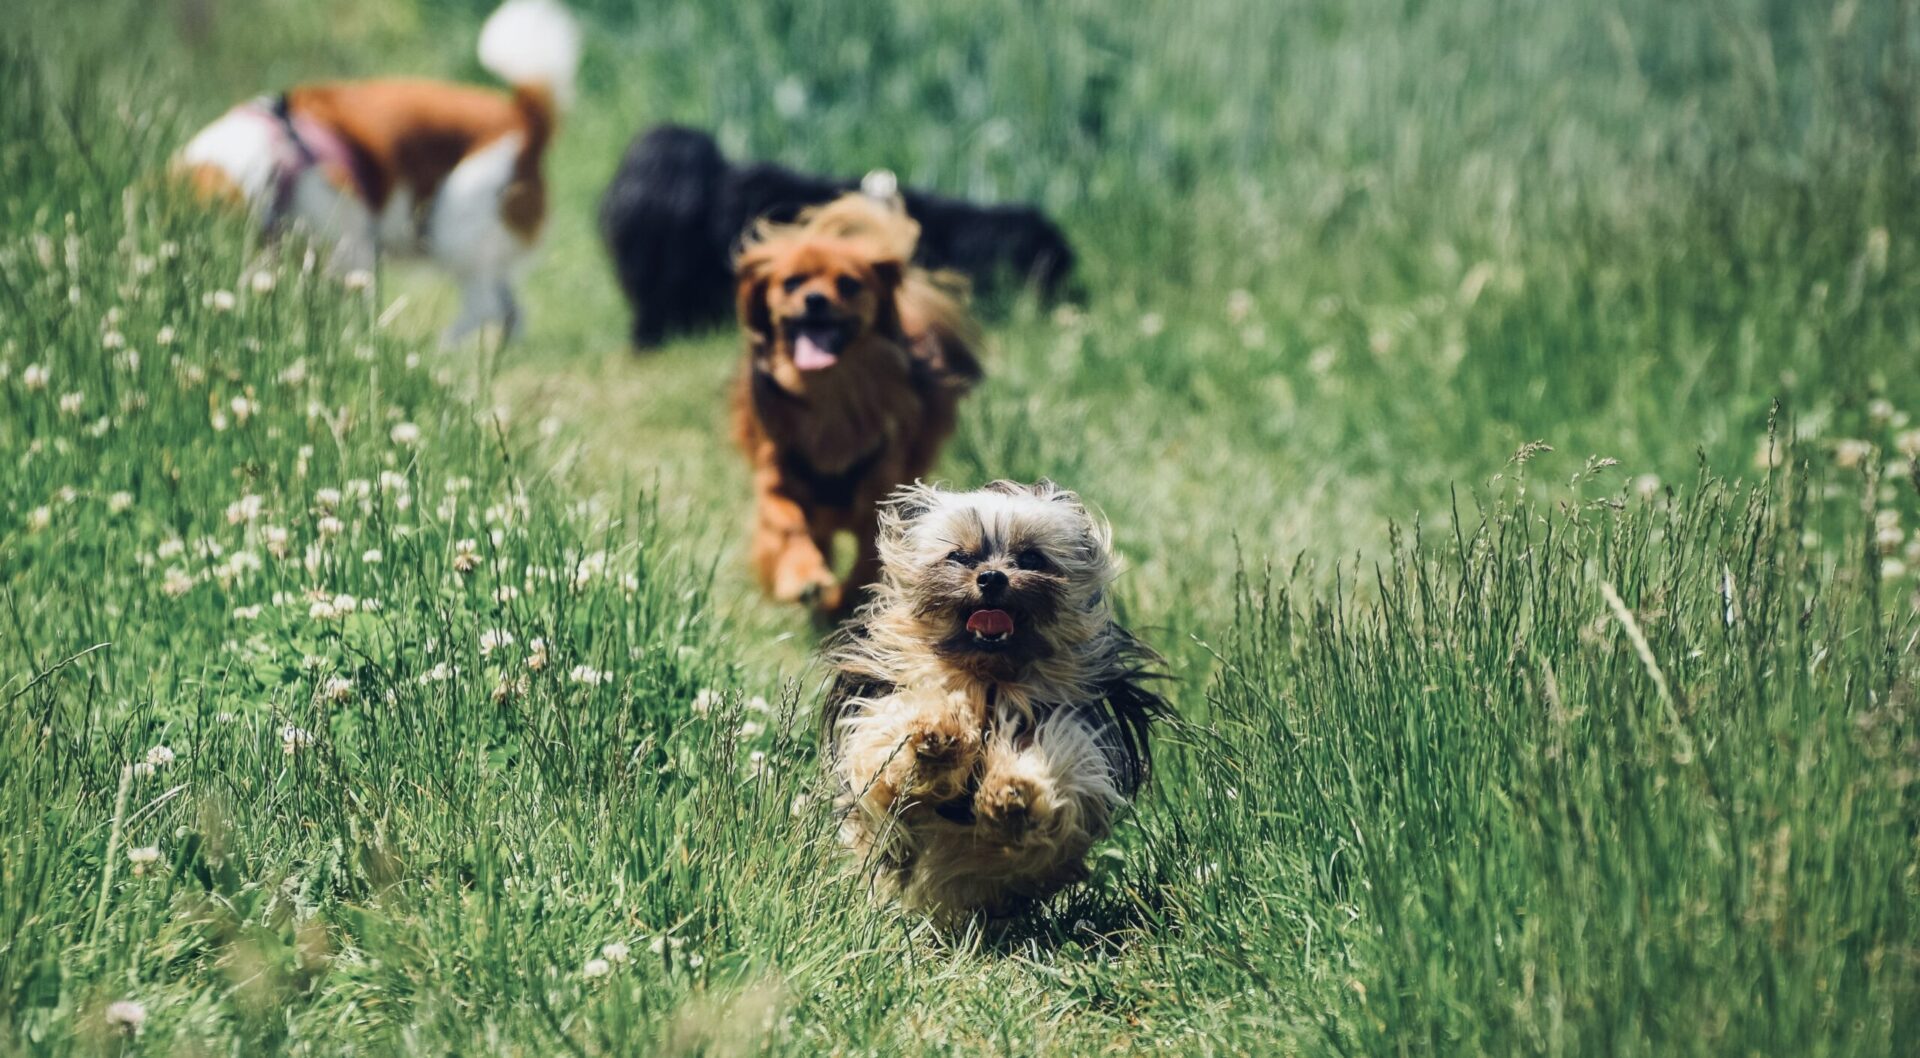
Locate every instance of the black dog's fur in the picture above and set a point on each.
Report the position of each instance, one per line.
(676, 210)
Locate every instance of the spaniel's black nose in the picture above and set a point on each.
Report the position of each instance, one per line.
(991, 581)
(818, 303)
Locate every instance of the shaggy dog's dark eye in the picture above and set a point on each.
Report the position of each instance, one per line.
(792, 283)
(961, 558)
(849, 286)
(1031, 559)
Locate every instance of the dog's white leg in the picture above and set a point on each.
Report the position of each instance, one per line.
(336, 218)
(467, 235)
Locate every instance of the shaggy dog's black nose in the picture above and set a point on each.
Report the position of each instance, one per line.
(817, 303)
(991, 581)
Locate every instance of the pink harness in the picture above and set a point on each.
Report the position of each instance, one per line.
(299, 144)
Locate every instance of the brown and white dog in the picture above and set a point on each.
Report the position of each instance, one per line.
(410, 166)
(856, 363)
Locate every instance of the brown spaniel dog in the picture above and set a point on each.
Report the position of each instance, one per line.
(856, 363)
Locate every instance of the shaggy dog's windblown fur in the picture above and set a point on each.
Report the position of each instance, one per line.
(409, 166)
(676, 208)
(856, 363)
(988, 717)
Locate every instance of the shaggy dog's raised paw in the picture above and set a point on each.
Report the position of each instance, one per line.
(943, 759)
(1010, 806)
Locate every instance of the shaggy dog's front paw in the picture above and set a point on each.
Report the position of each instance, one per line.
(943, 754)
(1010, 806)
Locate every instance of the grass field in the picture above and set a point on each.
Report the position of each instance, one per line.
(1508, 411)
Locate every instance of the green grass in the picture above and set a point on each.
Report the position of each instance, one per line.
(1478, 753)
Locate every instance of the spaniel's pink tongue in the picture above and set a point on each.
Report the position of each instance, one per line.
(990, 623)
(809, 355)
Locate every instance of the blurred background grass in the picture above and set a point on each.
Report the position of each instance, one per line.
(1341, 261)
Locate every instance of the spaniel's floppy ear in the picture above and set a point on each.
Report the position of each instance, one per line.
(751, 270)
(887, 275)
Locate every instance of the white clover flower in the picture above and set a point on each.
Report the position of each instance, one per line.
(758, 704)
(277, 539)
(243, 409)
(1907, 442)
(328, 525)
(440, 673)
(337, 689)
(790, 97)
(119, 503)
(1239, 305)
(244, 509)
(1892, 568)
(537, 654)
(345, 603)
(466, 556)
(629, 583)
(372, 556)
(506, 593)
(705, 701)
(1879, 411)
(616, 952)
(293, 739)
(144, 856)
(35, 376)
(71, 403)
(143, 770)
(220, 300)
(589, 675)
(39, 518)
(262, 282)
(247, 613)
(160, 756)
(176, 582)
(163, 336)
(358, 279)
(358, 489)
(494, 639)
(1152, 324)
(392, 481)
(695, 960)
(327, 499)
(295, 373)
(218, 420)
(170, 547)
(126, 1016)
(596, 968)
(1850, 453)
(752, 729)
(404, 433)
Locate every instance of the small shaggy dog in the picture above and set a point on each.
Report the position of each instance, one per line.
(856, 363)
(677, 207)
(988, 717)
(407, 165)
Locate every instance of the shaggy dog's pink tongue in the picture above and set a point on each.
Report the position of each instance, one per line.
(809, 355)
(990, 623)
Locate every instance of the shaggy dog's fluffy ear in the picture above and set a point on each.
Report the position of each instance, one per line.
(907, 504)
(750, 272)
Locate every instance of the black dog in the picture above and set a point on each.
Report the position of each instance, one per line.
(677, 207)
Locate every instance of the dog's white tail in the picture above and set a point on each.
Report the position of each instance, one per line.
(532, 44)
